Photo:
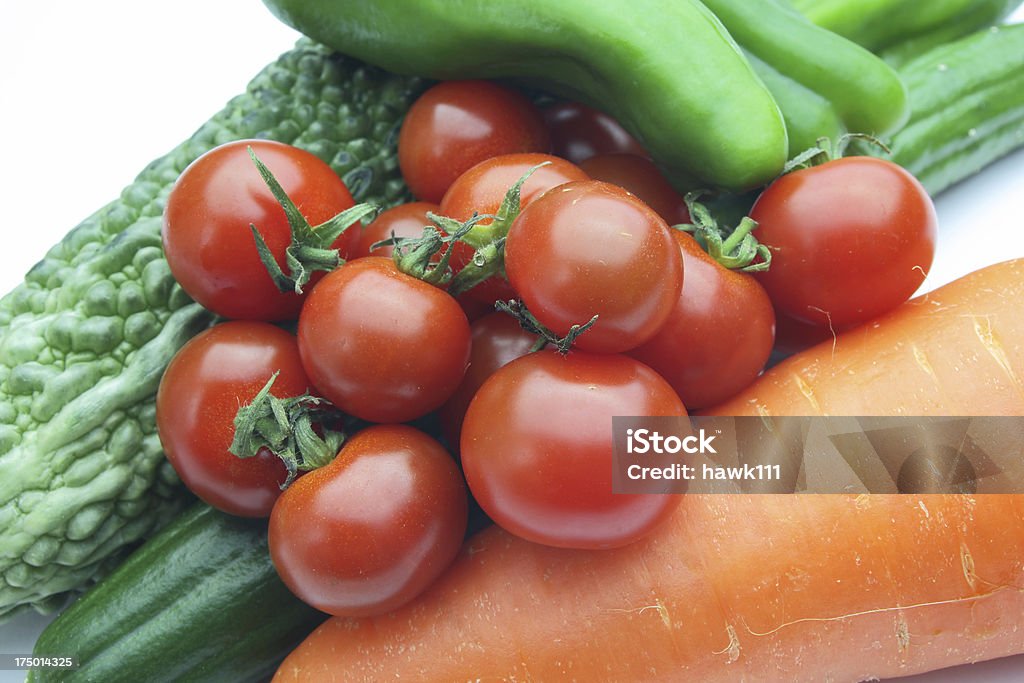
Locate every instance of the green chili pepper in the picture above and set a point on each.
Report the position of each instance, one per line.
(866, 93)
(667, 70)
(880, 24)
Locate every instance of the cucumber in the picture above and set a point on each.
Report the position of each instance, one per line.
(200, 601)
(967, 107)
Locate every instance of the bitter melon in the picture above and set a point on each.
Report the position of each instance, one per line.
(85, 338)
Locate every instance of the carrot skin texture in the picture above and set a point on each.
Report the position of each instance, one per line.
(958, 350)
(731, 588)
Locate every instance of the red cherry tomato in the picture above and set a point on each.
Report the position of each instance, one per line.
(850, 239)
(205, 383)
(206, 234)
(404, 220)
(457, 124)
(382, 345)
(537, 448)
(640, 176)
(482, 189)
(369, 531)
(719, 335)
(579, 132)
(591, 248)
(497, 340)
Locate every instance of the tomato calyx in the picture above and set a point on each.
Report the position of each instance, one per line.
(488, 240)
(415, 256)
(826, 150)
(285, 427)
(735, 249)
(511, 205)
(517, 309)
(310, 248)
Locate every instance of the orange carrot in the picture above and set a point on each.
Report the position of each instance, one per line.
(754, 587)
(958, 350)
(732, 588)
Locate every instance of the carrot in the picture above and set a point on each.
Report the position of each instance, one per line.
(958, 350)
(732, 588)
(754, 587)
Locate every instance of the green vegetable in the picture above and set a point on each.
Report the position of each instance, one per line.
(967, 102)
(808, 115)
(84, 340)
(667, 70)
(200, 601)
(882, 24)
(865, 93)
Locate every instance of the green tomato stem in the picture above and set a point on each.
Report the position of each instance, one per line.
(285, 427)
(310, 248)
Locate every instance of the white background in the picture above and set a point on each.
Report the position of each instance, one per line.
(92, 92)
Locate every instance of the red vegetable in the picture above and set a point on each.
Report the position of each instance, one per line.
(404, 220)
(369, 531)
(590, 248)
(497, 340)
(719, 335)
(481, 190)
(579, 132)
(382, 345)
(457, 124)
(537, 448)
(205, 383)
(639, 175)
(207, 236)
(850, 239)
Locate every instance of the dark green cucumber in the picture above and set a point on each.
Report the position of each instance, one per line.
(200, 601)
(967, 107)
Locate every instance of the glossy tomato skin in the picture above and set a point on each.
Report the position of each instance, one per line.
(850, 239)
(206, 234)
(591, 248)
(369, 531)
(482, 189)
(720, 333)
(497, 339)
(639, 175)
(381, 345)
(579, 132)
(217, 371)
(457, 124)
(537, 448)
(404, 220)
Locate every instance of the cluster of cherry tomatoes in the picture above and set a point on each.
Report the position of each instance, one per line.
(558, 214)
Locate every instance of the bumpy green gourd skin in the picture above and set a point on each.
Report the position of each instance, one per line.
(967, 100)
(199, 602)
(84, 340)
(881, 24)
(666, 69)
